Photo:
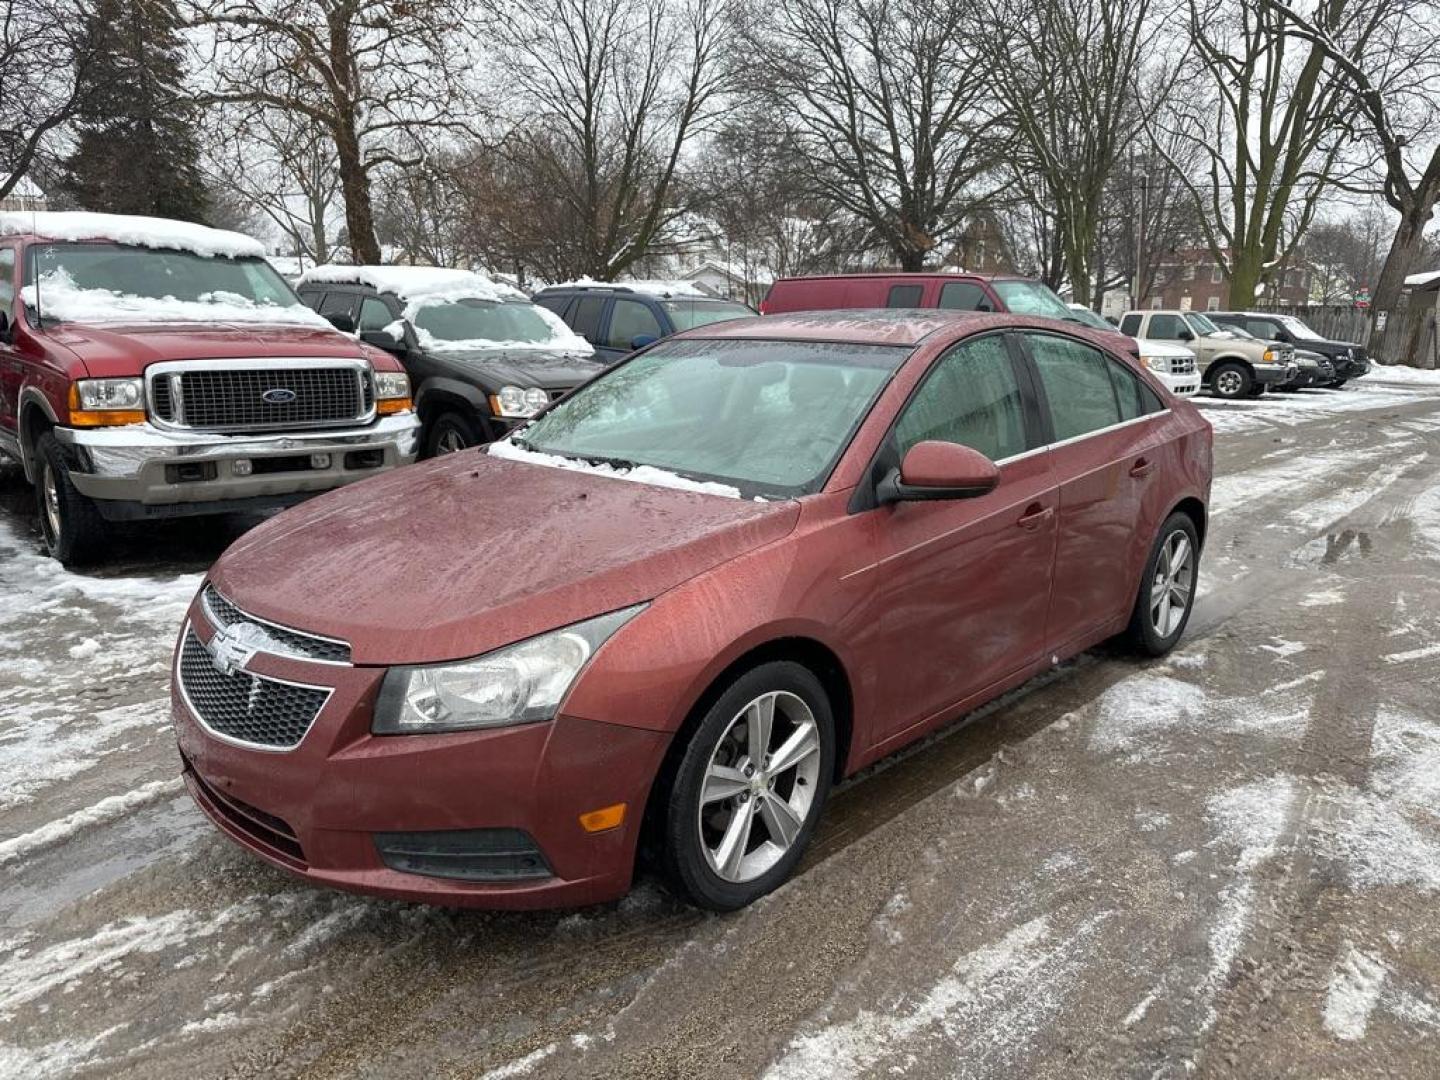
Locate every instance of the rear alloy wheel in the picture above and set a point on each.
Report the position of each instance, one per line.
(1167, 588)
(750, 787)
(1232, 381)
(450, 433)
(73, 530)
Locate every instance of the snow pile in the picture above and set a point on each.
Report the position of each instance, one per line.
(1405, 376)
(437, 283)
(148, 232)
(1415, 280)
(640, 474)
(101, 813)
(61, 298)
(1353, 993)
(662, 289)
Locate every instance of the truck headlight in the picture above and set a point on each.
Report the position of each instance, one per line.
(519, 684)
(1269, 357)
(392, 392)
(1156, 363)
(110, 393)
(518, 401)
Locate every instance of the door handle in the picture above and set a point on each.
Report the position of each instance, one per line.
(1142, 468)
(1035, 515)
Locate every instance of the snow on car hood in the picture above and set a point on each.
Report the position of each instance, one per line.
(457, 556)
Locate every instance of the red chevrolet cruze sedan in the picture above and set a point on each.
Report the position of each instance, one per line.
(683, 602)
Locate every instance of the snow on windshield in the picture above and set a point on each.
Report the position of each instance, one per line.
(147, 232)
(459, 322)
(1299, 329)
(58, 296)
(640, 474)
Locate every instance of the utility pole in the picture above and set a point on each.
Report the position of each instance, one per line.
(1140, 239)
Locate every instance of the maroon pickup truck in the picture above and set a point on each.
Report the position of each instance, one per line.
(153, 368)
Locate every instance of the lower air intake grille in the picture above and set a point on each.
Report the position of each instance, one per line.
(248, 708)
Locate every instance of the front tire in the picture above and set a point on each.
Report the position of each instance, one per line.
(1232, 381)
(451, 432)
(73, 530)
(750, 787)
(1167, 588)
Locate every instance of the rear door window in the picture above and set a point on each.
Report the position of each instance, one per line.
(557, 304)
(1077, 383)
(905, 296)
(630, 319)
(970, 397)
(585, 318)
(963, 296)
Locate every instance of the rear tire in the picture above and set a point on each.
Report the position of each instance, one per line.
(451, 432)
(723, 800)
(1169, 580)
(73, 530)
(1231, 381)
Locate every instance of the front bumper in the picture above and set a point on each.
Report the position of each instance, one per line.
(1274, 374)
(316, 810)
(1187, 385)
(158, 471)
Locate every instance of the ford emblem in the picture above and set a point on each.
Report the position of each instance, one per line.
(279, 395)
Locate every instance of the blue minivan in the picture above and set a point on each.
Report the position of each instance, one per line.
(618, 318)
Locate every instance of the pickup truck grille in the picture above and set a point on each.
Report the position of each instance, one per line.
(1182, 365)
(262, 398)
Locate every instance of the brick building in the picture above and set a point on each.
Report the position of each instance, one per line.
(1191, 280)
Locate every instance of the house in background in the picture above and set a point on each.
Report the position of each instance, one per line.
(25, 195)
(1189, 279)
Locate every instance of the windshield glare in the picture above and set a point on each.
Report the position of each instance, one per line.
(768, 417)
(688, 314)
(155, 274)
(1203, 325)
(516, 322)
(1031, 298)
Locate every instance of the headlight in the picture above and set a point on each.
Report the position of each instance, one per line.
(517, 401)
(390, 385)
(1156, 363)
(1269, 357)
(518, 684)
(110, 393)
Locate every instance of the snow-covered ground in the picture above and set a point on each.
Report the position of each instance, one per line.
(1227, 861)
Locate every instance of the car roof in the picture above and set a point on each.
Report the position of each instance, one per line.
(860, 326)
(881, 275)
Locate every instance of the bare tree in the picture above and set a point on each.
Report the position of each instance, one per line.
(45, 52)
(1386, 55)
(1345, 254)
(420, 211)
(889, 101)
(1067, 70)
(1266, 114)
(377, 76)
(610, 93)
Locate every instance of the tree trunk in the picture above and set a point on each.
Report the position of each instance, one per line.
(1077, 266)
(1391, 345)
(355, 188)
(1244, 280)
(911, 259)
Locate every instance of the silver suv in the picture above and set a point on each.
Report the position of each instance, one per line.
(1231, 365)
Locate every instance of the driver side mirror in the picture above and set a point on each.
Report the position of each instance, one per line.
(639, 341)
(934, 470)
(1184, 335)
(383, 338)
(342, 322)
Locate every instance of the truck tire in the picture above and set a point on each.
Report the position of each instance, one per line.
(450, 432)
(72, 527)
(1231, 380)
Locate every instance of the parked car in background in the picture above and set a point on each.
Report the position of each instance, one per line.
(619, 318)
(153, 368)
(684, 601)
(481, 356)
(1172, 364)
(1348, 360)
(949, 291)
(1232, 366)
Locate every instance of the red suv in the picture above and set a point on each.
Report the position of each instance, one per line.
(950, 292)
(683, 601)
(153, 368)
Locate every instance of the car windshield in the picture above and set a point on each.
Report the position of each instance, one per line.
(96, 282)
(1085, 317)
(1032, 298)
(465, 322)
(688, 314)
(1298, 328)
(770, 418)
(1202, 325)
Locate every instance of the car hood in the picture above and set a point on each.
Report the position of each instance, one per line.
(1156, 347)
(126, 350)
(466, 553)
(523, 367)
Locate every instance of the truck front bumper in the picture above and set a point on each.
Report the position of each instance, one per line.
(1275, 374)
(140, 471)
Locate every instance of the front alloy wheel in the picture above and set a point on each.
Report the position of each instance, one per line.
(1167, 588)
(742, 802)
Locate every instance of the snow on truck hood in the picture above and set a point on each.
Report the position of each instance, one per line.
(463, 554)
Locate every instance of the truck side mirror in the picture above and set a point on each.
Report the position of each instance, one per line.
(1184, 335)
(342, 322)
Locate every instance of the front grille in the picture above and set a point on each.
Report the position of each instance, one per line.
(248, 708)
(1182, 365)
(302, 646)
(233, 399)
